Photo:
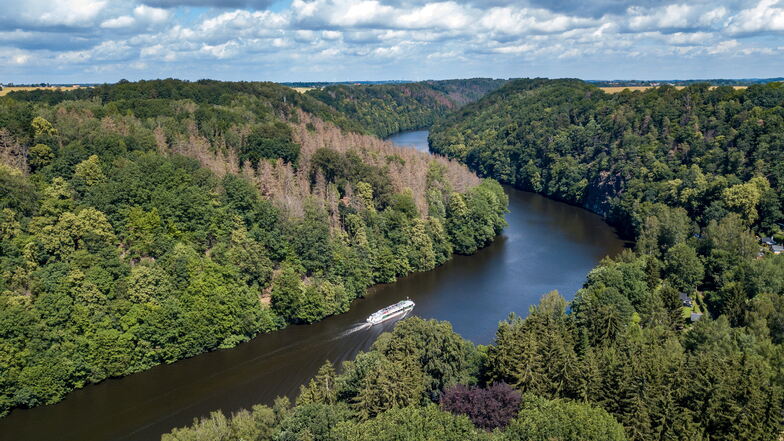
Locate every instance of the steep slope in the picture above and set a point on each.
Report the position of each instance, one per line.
(696, 148)
(159, 220)
(384, 109)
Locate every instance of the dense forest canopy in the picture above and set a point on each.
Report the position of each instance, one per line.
(708, 150)
(142, 223)
(148, 98)
(393, 391)
(680, 339)
(147, 229)
(550, 376)
(385, 109)
(683, 329)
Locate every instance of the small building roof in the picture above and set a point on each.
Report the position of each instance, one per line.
(768, 241)
(684, 297)
(777, 249)
(695, 316)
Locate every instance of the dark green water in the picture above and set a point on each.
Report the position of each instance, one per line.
(547, 245)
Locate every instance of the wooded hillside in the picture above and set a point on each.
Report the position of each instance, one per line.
(711, 151)
(153, 221)
(684, 335)
(385, 109)
(680, 339)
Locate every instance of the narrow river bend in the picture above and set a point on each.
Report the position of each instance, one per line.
(547, 245)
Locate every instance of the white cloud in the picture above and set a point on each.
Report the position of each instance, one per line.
(118, 22)
(106, 51)
(689, 38)
(724, 47)
(442, 15)
(671, 16)
(767, 15)
(158, 52)
(70, 13)
(20, 59)
(222, 51)
(398, 36)
(514, 49)
(149, 14)
(714, 17)
(236, 24)
(142, 15)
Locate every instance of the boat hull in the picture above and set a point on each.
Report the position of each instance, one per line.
(377, 319)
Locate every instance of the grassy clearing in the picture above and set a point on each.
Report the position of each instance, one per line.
(303, 89)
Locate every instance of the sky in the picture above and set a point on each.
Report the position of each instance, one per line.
(95, 41)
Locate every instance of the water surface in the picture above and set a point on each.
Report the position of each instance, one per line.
(413, 138)
(547, 245)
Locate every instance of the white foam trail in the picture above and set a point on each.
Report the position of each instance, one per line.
(354, 328)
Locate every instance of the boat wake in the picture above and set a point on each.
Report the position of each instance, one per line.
(356, 327)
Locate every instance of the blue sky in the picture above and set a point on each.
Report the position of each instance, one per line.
(335, 40)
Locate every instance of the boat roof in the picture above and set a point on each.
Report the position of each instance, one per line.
(392, 307)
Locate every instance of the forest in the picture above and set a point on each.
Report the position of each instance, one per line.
(694, 177)
(678, 339)
(385, 109)
(553, 375)
(143, 223)
(139, 229)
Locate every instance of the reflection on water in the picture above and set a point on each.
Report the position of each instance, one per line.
(547, 245)
(415, 138)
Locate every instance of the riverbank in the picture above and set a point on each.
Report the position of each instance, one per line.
(547, 245)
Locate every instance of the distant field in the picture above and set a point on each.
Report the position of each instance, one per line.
(303, 89)
(9, 89)
(622, 88)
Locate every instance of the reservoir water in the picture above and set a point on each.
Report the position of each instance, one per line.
(547, 245)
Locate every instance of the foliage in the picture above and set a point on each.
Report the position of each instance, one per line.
(385, 109)
(690, 174)
(561, 420)
(488, 408)
(158, 220)
(259, 423)
(410, 424)
(313, 421)
(649, 383)
(114, 264)
(707, 150)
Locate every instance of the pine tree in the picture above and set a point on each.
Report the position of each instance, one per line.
(321, 389)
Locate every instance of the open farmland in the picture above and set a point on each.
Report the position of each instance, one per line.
(8, 89)
(617, 89)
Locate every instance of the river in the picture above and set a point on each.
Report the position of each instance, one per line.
(547, 245)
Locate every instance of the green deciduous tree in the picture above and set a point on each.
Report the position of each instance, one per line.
(89, 172)
(42, 127)
(88, 229)
(410, 423)
(682, 267)
(562, 420)
(39, 156)
(442, 355)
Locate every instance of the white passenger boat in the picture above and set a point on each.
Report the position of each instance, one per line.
(398, 309)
